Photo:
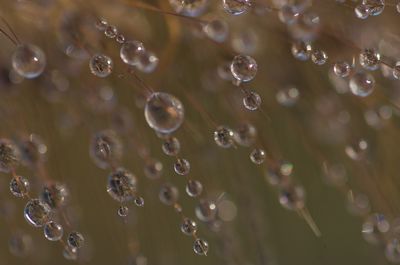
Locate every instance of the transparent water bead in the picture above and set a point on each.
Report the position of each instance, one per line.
(223, 137)
(123, 211)
(257, 156)
(130, 51)
(245, 134)
(171, 146)
(206, 210)
(244, 68)
(121, 185)
(375, 7)
(288, 14)
(70, 253)
(252, 101)
(236, 7)
(362, 84)
(200, 247)
(101, 65)
(374, 228)
(147, 61)
(319, 57)
(287, 96)
(370, 59)
(75, 240)
(168, 194)
(396, 70)
(362, 11)
(28, 61)
(55, 194)
(217, 30)
(188, 227)
(163, 112)
(37, 212)
(32, 150)
(194, 188)
(292, 197)
(192, 8)
(105, 148)
(392, 250)
(111, 31)
(301, 50)
(153, 169)
(342, 69)
(19, 186)
(9, 155)
(357, 150)
(53, 231)
(182, 166)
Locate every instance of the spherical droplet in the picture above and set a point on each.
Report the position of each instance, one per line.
(130, 51)
(217, 30)
(182, 166)
(252, 101)
(392, 250)
(244, 68)
(120, 38)
(147, 61)
(362, 11)
(200, 247)
(301, 50)
(53, 231)
(194, 188)
(9, 155)
(28, 61)
(223, 136)
(153, 169)
(376, 7)
(374, 227)
(55, 194)
(319, 57)
(287, 96)
(245, 134)
(188, 227)
(396, 70)
(192, 8)
(19, 186)
(101, 24)
(292, 197)
(257, 156)
(342, 69)
(370, 59)
(105, 148)
(171, 146)
(236, 7)
(357, 150)
(110, 31)
(121, 185)
(164, 112)
(168, 194)
(37, 212)
(362, 84)
(76, 240)
(101, 65)
(139, 201)
(32, 150)
(206, 210)
(123, 211)
(70, 253)
(288, 14)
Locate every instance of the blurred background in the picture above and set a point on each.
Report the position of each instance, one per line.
(308, 117)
